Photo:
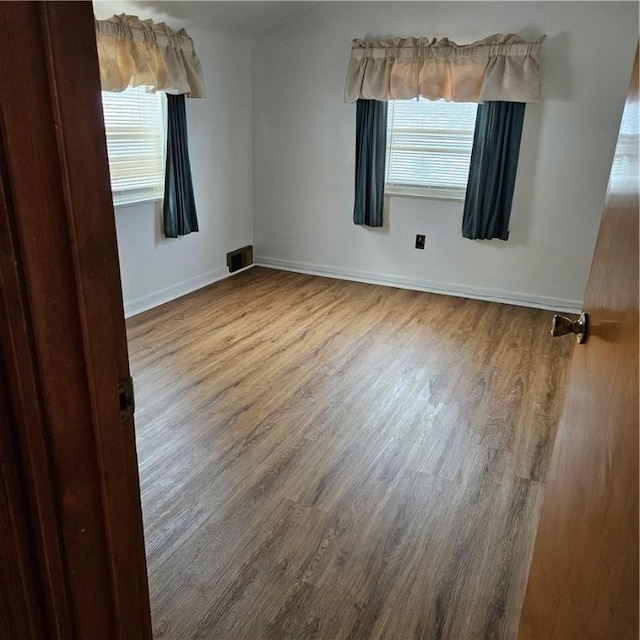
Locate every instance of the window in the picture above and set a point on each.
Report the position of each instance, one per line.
(135, 124)
(429, 147)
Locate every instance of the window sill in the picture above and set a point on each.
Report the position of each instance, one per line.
(457, 196)
(135, 203)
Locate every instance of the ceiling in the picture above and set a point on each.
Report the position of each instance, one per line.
(239, 18)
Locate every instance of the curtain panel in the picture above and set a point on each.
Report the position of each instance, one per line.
(179, 206)
(371, 146)
(134, 52)
(500, 67)
(492, 174)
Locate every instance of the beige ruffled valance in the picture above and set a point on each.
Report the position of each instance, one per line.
(134, 52)
(500, 67)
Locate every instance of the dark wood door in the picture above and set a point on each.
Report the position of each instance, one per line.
(583, 580)
(72, 561)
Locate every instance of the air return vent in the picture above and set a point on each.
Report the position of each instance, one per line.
(240, 258)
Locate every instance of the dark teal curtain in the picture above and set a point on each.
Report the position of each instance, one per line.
(371, 147)
(179, 208)
(492, 174)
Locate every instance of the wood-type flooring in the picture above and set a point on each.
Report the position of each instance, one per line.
(329, 459)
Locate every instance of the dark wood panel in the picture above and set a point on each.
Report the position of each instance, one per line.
(63, 340)
(86, 188)
(584, 574)
(321, 458)
(22, 606)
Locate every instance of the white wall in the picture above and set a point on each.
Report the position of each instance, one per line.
(304, 138)
(156, 269)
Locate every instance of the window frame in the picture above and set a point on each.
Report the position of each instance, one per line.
(130, 197)
(422, 191)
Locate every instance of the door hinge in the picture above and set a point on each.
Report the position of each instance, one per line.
(126, 398)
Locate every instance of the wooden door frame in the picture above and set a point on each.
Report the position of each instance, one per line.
(73, 563)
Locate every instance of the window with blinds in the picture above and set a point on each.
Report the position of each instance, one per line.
(135, 126)
(429, 147)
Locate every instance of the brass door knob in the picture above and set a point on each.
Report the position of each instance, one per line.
(562, 326)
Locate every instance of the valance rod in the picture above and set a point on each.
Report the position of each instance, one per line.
(500, 67)
(134, 52)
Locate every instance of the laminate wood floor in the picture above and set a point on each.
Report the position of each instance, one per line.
(328, 459)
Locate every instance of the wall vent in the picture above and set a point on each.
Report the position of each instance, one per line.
(240, 258)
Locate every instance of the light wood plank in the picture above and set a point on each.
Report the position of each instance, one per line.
(329, 459)
(583, 582)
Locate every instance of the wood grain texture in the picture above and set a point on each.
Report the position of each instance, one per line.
(67, 457)
(21, 603)
(584, 575)
(329, 459)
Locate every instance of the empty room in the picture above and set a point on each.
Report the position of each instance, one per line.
(319, 320)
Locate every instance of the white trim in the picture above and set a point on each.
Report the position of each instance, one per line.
(431, 193)
(476, 293)
(155, 299)
(133, 203)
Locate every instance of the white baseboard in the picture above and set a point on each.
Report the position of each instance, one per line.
(476, 293)
(155, 299)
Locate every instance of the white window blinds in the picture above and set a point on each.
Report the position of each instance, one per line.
(429, 147)
(135, 123)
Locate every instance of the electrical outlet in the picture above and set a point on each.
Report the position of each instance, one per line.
(420, 241)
